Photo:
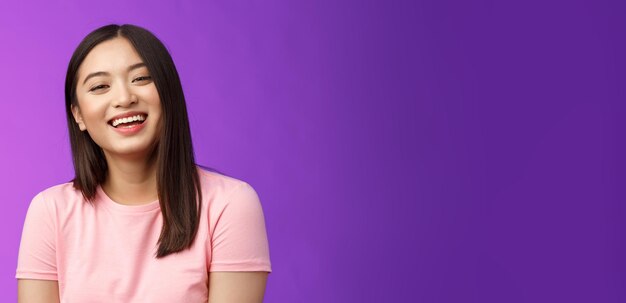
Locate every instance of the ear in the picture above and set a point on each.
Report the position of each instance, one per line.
(78, 117)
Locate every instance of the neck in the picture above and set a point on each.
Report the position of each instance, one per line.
(131, 181)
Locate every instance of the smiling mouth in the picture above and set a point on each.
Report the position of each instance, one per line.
(128, 121)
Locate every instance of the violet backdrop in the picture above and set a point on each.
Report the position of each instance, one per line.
(403, 151)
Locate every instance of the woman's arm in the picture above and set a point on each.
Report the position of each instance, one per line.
(240, 287)
(37, 291)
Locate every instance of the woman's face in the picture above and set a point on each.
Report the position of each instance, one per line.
(118, 103)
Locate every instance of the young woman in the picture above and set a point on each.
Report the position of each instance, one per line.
(140, 222)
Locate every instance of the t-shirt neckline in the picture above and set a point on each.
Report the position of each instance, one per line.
(108, 202)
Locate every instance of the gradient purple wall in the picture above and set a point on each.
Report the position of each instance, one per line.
(404, 151)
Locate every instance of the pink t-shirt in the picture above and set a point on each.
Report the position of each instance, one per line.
(105, 252)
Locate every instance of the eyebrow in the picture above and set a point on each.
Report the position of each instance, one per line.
(96, 74)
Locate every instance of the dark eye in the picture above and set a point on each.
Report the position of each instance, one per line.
(98, 87)
(142, 78)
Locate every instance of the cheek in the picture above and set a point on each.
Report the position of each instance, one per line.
(148, 93)
(153, 97)
(91, 110)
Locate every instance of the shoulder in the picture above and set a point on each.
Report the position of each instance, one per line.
(221, 192)
(237, 237)
(217, 185)
(59, 197)
(52, 205)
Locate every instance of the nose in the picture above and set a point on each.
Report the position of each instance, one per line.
(124, 97)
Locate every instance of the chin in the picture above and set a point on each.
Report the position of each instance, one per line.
(143, 150)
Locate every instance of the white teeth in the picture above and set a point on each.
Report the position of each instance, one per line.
(117, 122)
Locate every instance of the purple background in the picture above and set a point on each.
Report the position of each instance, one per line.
(404, 151)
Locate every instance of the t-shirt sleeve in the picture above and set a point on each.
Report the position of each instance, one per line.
(37, 253)
(239, 239)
